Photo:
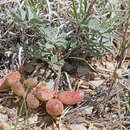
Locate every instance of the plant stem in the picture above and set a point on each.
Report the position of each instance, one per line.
(75, 12)
(26, 117)
(90, 8)
(21, 108)
(17, 119)
(119, 63)
(58, 79)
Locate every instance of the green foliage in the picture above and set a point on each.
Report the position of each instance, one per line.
(26, 18)
(95, 35)
(35, 5)
(53, 48)
(79, 16)
(20, 111)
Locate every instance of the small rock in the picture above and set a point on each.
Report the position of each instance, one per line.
(78, 127)
(2, 110)
(80, 119)
(12, 113)
(3, 118)
(33, 119)
(96, 83)
(87, 111)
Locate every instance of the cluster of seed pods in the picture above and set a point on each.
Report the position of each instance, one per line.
(40, 93)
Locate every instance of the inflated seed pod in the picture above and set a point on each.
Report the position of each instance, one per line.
(54, 107)
(13, 77)
(44, 94)
(70, 98)
(30, 82)
(18, 88)
(32, 101)
(6, 81)
(3, 84)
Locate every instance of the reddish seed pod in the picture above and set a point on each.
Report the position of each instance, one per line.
(3, 84)
(54, 107)
(44, 94)
(13, 77)
(70, 98)
(18, 88)
(30, 82)
(6, 81)
(32, 101)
